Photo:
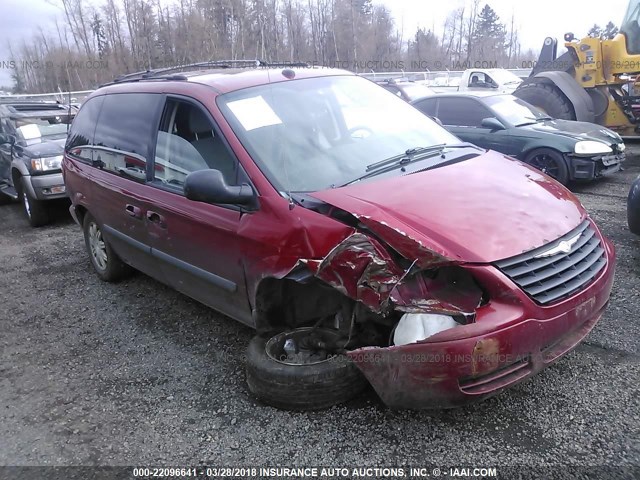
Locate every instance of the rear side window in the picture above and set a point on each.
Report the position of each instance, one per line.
(125, 133)
(427, 106)
(82, 129)
(464, 112)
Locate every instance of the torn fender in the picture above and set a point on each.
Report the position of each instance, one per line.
(362, 269)
(404, 244)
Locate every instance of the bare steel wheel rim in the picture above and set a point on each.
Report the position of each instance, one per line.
(546, 164)
(97, 246)
(27, 204)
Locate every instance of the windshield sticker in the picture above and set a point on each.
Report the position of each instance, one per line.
(29, 131)
(254, 113)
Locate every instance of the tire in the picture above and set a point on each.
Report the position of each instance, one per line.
(105, 261)
(547, 97)
(633, 208)
(300, 387)
(35, 210)
(556, 165)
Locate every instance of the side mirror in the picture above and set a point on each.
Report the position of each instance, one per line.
(492, 123)
(6, 138)
(209, 186)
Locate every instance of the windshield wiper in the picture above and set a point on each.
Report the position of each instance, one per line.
(405, 157)
(410, 155)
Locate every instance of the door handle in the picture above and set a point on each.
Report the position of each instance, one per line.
(133, 211)
(156, 218)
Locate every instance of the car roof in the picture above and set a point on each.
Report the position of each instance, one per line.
(227, 79)
(22, 109)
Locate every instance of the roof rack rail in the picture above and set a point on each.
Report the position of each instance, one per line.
(161, 73)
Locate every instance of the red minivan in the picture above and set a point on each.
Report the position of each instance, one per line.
(362, 241)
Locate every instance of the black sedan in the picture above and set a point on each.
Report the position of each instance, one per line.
(563, 149)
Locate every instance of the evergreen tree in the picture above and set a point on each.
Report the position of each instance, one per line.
(610, 31)
(99, 37)
(595, 31)
(489, 36)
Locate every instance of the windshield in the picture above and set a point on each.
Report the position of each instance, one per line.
(47, 125)
(415, 91)
(504, 77)
(514, 110)
(318, 133)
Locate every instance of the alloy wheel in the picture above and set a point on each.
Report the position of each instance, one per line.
(26, 203)
(97, 246)
(546, 164)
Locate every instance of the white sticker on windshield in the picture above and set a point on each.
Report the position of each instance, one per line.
(254, 113)
(29, 131)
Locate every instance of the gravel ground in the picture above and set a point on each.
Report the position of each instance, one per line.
(134, 373)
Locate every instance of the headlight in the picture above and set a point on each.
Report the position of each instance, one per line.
(590, 147)
(621, 147)
(47, 163)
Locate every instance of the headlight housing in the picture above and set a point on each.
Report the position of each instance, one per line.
(47, 163)
(591, 147)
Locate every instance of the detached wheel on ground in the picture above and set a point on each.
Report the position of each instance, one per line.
(35, 210)
(549, 161)
(297, 370)
(105, 261)
(546, 97)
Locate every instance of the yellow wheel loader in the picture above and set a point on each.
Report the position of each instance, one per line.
(593, 81)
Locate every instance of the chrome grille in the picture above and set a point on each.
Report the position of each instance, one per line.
(547, 276)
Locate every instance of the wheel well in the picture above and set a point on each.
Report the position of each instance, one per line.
(534, 149)
(16, 176)
(80, 213)
(300, 299)
(287, 303)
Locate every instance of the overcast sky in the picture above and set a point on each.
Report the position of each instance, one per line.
(536, 19)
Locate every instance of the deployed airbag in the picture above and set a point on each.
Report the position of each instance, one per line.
(414, 327)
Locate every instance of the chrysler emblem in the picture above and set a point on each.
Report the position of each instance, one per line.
(563, 247)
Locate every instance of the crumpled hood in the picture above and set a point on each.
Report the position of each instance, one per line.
(577, 130)
(479, 210)
(44, 147)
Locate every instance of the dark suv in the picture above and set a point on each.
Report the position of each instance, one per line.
(359, 238)
(32, 137)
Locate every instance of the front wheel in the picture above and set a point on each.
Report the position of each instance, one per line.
(105, 261)
(550, 162)
(297, 370)
(35, 210)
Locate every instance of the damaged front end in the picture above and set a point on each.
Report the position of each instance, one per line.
(429, 328)
(400, 295)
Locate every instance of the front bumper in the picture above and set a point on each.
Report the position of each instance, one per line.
(510, 342)
(584, 168)
(47, 187)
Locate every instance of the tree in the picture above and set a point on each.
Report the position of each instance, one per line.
(595, 31)
(610, 31)
(97, 27)
(489, 35)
